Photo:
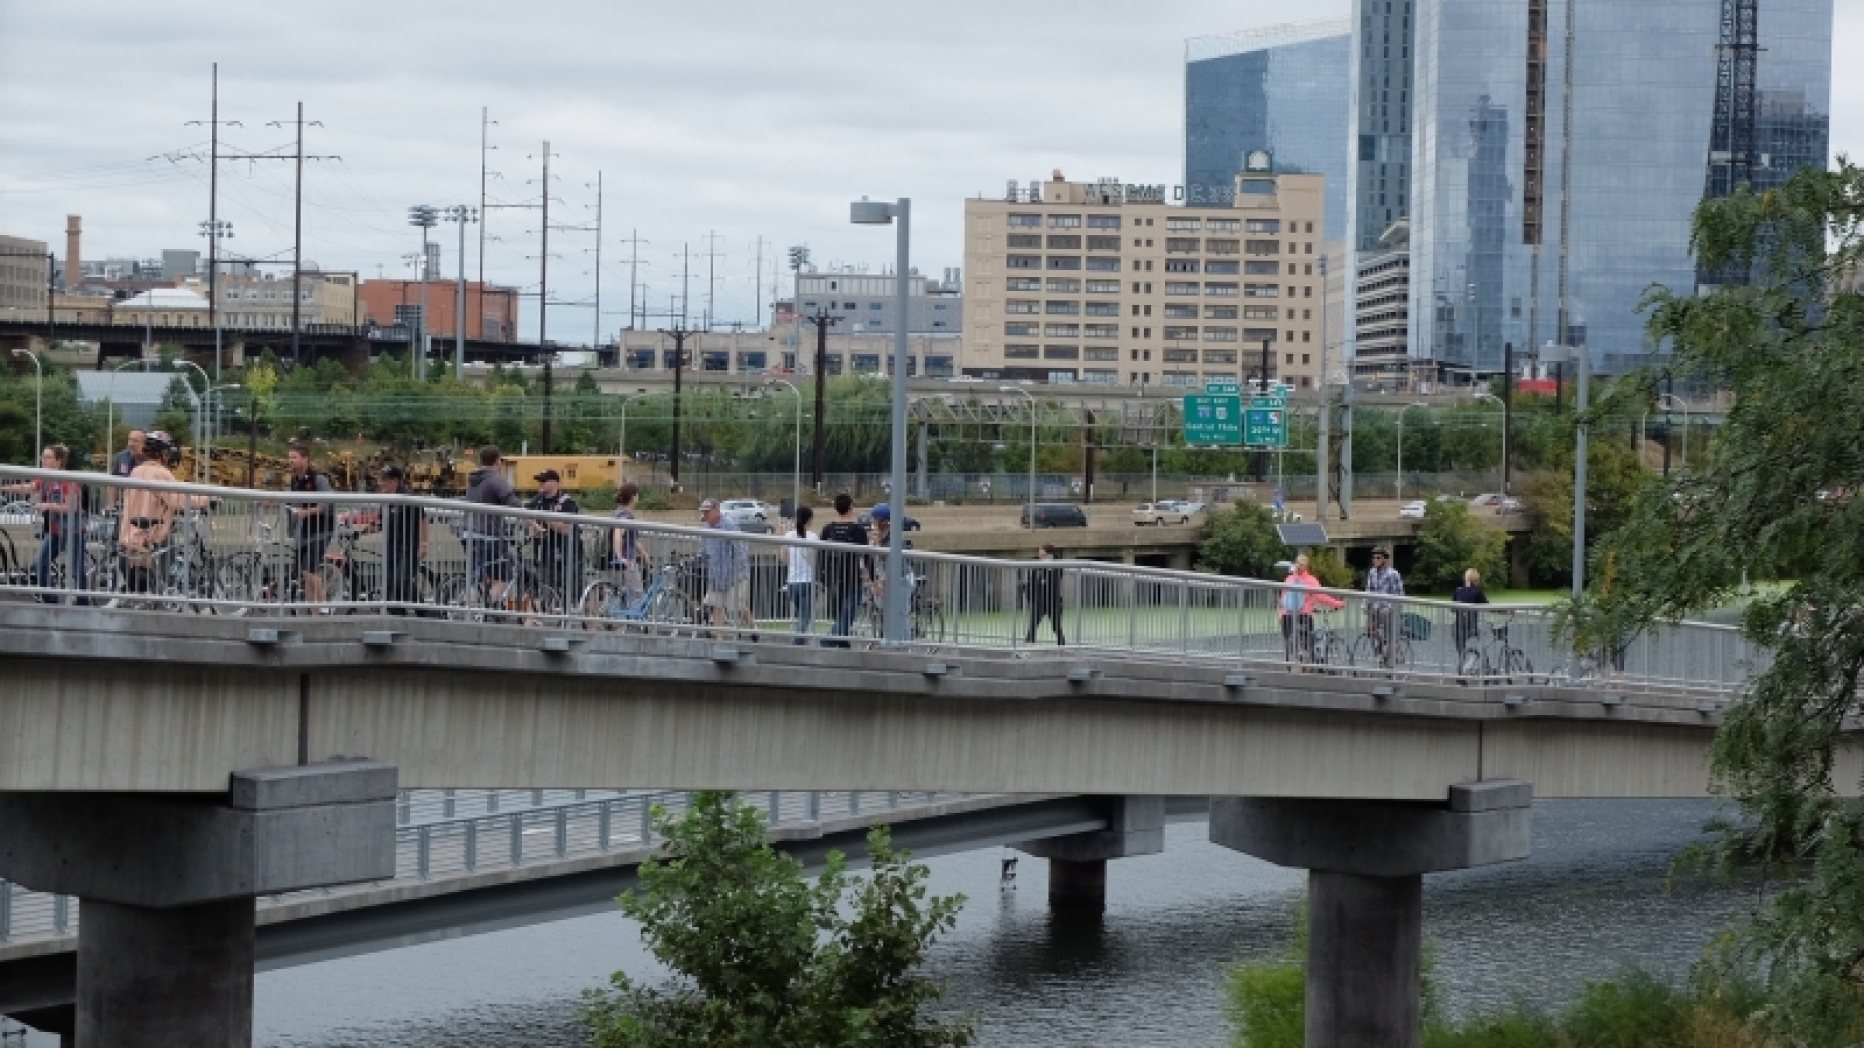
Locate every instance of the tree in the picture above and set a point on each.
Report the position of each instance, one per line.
(1775, 500)
(1613, 481)
(1241, 541)
(176, 413)
(1449, 542)
(763, 957)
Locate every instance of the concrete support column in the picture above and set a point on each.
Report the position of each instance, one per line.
(173, 978)
(1365, 939)
(1077, 882)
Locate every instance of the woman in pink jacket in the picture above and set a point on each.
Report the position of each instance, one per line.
(1298, 600)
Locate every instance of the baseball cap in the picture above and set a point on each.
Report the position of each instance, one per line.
(549, 474)
(393, 472)
(708, 505)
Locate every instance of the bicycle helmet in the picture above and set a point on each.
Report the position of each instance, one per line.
(157, 440)
(882, 512)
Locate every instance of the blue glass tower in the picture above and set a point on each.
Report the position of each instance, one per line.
(1560, 149)
(1281, 89)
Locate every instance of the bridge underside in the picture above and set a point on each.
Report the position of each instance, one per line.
(143, 701)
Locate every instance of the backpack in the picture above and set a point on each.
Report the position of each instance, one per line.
(1293, 598)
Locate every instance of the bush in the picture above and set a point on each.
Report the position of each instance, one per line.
(654, 500)
(1449, 542)
(1637, 1011)
(1521, 1028)
(1331, 569)
(1242, 541)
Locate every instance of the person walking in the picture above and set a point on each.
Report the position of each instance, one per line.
(727, 572)
(624, 544)
(843, 573)
(1468, 625)
(1300, 596)
(1382, 615)
(1045, 597)
(404, 544)
(311, 522)
(60, 504)
(801, 578)
(559, 546)
(488, 550)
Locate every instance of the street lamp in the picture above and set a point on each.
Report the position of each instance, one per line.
(200, 427)
(1581, 358)
(425, 217)
(215, 230)
(1032, 453)
(463, 216)
(621, 439)
(900, 215)
(1401, 411)
(110, 410)
(38, 403)
(1504, 407)
(796, 464)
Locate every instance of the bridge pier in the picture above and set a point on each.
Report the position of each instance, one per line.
(1365, 863)
(167, 884)
(1078, 861)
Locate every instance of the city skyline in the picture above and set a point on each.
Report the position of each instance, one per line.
(755, 129)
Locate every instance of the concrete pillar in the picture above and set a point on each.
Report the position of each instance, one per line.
(1077, 882)
(171, 978)
(1366, 861)
(1078, 861)
(1365, 938)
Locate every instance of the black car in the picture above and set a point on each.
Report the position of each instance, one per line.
(866, 520)
(1055, 515)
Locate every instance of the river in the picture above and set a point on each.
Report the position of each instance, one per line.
(1592, 900)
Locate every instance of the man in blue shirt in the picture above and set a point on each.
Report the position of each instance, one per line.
(727, 571)
(1381, 615)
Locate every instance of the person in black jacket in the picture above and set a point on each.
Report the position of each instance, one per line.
(1045, 586)
(404, 545)
(1468, 625)
(844, 572)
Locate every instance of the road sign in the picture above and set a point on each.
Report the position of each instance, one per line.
(1213, 420)
(1265, 422)
(1218, 387)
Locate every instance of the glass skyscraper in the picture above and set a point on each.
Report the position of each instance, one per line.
(1380, 137)
(1608, 105)
(1281, 89)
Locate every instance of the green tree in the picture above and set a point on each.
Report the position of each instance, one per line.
(1451, 541)
(1613, 481)
(176, 412)
(1775, 499)
(1241, 541)
(762, 956)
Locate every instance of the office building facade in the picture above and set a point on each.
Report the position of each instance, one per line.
(1279, 90)
(1106, 283)
(1520, 107)
(866, 302)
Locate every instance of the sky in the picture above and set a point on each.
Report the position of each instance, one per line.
(712, 124)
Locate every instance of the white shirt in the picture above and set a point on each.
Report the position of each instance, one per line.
(802, 559)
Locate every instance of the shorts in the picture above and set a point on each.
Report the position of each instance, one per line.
(310, 553)
(733, 599)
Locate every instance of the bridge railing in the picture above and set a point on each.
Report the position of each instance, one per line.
(555, 828)
(194, 548)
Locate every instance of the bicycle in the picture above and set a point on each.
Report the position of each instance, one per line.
(1384, 643)
(1327, 646)
(1495, 658)
(525, 596)
(925, 620)
(605, 603)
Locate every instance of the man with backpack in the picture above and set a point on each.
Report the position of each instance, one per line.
(310, 522)
(843, 573)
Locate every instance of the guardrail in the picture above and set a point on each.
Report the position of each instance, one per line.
(489, 833)
(194, 548)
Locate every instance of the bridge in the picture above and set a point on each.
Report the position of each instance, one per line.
(211, 737)
(352, 346)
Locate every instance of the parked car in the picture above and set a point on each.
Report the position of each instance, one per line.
(1448, 498)
(1055, 515)
(752, 515)
(1411, 511)
(907, 521)
(1284, 516)
(1486, 499)
(1159, 513)
(1189, 509)
(1510, 505)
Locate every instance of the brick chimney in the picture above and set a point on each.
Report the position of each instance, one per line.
(74, 231)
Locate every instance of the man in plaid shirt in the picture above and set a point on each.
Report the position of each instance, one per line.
(1384, 580)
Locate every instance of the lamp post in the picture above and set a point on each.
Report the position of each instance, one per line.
(38, 403)
(1504, 406)
(1031, 511)
(621, 440)
(900, 215)
(796, 463)
(425, 217)
(200, 421)
(213, 429)
(463, 216)
(1401, 411)
(110, 411)
(215, 230)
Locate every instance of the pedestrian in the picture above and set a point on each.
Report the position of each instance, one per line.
(1382, 615)
(1045, 597)
(727, 572)
(149, 516)
(60, 504)
(624, 543)
(310, 522)
(1300, 596)
(1468, 623)
(404, 544)
(488, 550)
(843, 573)
(559, 547)
(801, 578)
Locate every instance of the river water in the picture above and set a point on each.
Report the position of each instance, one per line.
(1592, 900)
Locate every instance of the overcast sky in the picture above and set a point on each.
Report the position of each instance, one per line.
(704, 116)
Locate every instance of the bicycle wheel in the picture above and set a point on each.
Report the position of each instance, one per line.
(335, 583)
(1401, 654)
(675, 614)
(1331, 653)
(1364, 652)
(598, 603)
(1519, 665)
(869, 626)
(929, 625)
(537, 603)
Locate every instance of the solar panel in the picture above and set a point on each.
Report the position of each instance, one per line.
(1302, 534)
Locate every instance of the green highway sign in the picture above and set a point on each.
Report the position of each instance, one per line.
(1213, 420)
(1265, 422)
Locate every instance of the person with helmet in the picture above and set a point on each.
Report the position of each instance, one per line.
(148, 516)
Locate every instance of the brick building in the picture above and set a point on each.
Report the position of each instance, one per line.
(491, 310)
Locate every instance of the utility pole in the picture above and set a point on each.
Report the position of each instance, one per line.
(460, 214)
(822, 320)
(423, 216)
(543, 256)
(485, 123)
(596, 344)
(680, 335)
(1326, 407)
(1507, 406)
(634, 242)
(757, 285)
(548, 386)
(711, 283)
(297, 227)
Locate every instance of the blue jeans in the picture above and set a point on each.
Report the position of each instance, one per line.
(49, 549)
(845, 604)
(802, 598)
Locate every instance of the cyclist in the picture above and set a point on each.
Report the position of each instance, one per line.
(61, 503)
(310, 521)
(1381, 615)
(1298, 600)
(148, 516)
(559, 548)
(488, 554)
(882, 516)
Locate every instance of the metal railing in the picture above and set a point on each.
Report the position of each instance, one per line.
(193, 548)
(504, 829)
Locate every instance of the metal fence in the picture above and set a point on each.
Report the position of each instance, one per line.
(505, 829)
(191, 548)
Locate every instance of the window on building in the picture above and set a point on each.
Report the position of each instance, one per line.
(1064, 286)
(1064, 221)
(1220, 334)
(1182, 245)
(1104, 332)
(1103, 287)
(1018, 305)
(1023, 262)
(1180, 265)
(1104, 264)
(1064, 308)
(1061, 352)
(1100, 243)
(1016, 351)
(1103, 221)
(1024, 240)
(1181, 225)
(1262, 269)
(1174, 288)
(1018, 284)
(1223, 225)
(1061, 331)
(1025, 220)
(1064, 262)
(1261, 313)
(1262, 247)
(1103, 309)
(1064, 242)
(1223, 289)
(1180, 312)
(1222, 247)
(875, 306)
(1219, 312)
(1263, 225)
(1014, 330)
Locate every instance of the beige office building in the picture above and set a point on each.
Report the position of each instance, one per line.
(263, 301)
(23, 279)
(1107, 283)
